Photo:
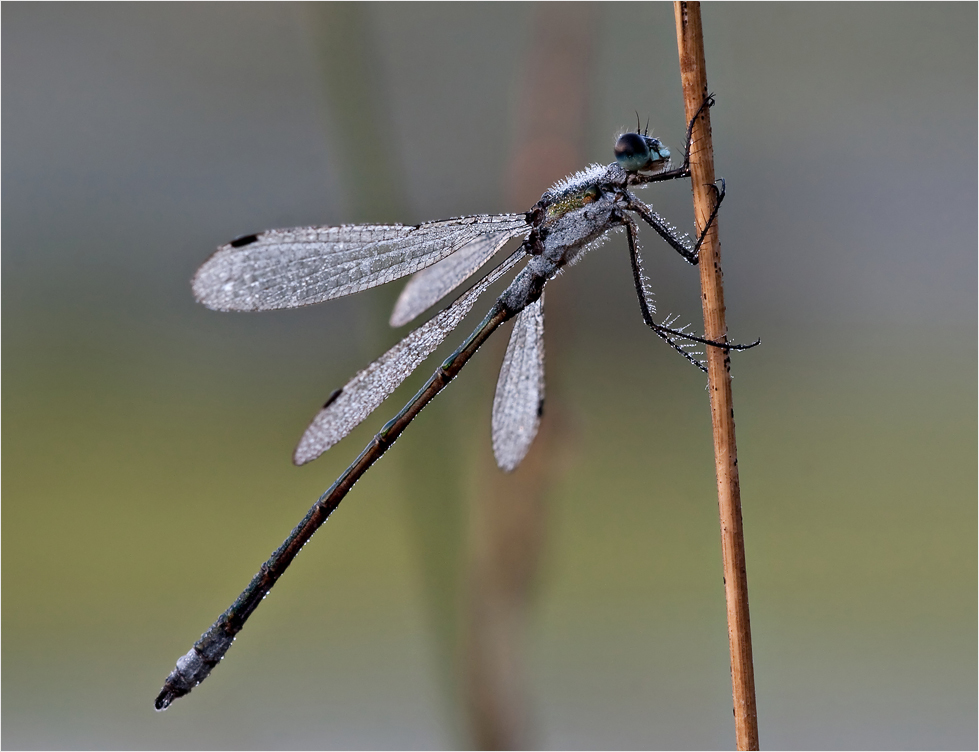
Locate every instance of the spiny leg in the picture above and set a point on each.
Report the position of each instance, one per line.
(707, 103)
(647, 315)
(684, 170)
(669, 233)
(669, 335)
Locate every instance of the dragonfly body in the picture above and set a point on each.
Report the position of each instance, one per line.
(289, 268)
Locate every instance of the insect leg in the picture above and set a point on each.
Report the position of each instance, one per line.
(680, 243)
(669, 335)
(707, 103)
(684, 170)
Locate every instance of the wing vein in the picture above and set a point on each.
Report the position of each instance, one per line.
(520, 389)
(371, 386)
(306, 265)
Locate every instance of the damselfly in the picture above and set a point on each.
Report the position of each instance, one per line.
(291, 268)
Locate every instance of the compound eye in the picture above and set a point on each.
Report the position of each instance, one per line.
(592, 194)
(631, 152)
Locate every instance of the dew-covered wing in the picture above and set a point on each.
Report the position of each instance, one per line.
(347, 407)
(291, 268)
(428, 286)
(520, 390)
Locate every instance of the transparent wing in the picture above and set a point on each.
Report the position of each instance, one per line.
(291, 268)
(426, 287)
(520, 390)
(347, 407)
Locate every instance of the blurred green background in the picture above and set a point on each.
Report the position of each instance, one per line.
(147, 440)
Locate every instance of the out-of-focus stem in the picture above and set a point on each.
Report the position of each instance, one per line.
(509, 516)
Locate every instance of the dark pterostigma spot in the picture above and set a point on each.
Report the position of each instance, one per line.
(540, 408)
(332, 398)
(243, 240)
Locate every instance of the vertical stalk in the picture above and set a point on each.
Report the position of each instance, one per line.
(693, 73)
(509, 512)
(431, 491)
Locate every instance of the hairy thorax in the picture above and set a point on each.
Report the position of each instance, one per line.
(579, 212)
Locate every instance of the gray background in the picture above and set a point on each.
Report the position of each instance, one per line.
(147, 440)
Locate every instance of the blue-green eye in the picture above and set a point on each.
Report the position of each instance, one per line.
(632, 152)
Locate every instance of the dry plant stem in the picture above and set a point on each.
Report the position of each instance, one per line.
(690, 43)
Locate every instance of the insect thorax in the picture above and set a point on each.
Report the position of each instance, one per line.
(573, 199)
(572, 232)
(578, 212)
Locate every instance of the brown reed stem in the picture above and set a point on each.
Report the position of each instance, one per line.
(693, 73)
